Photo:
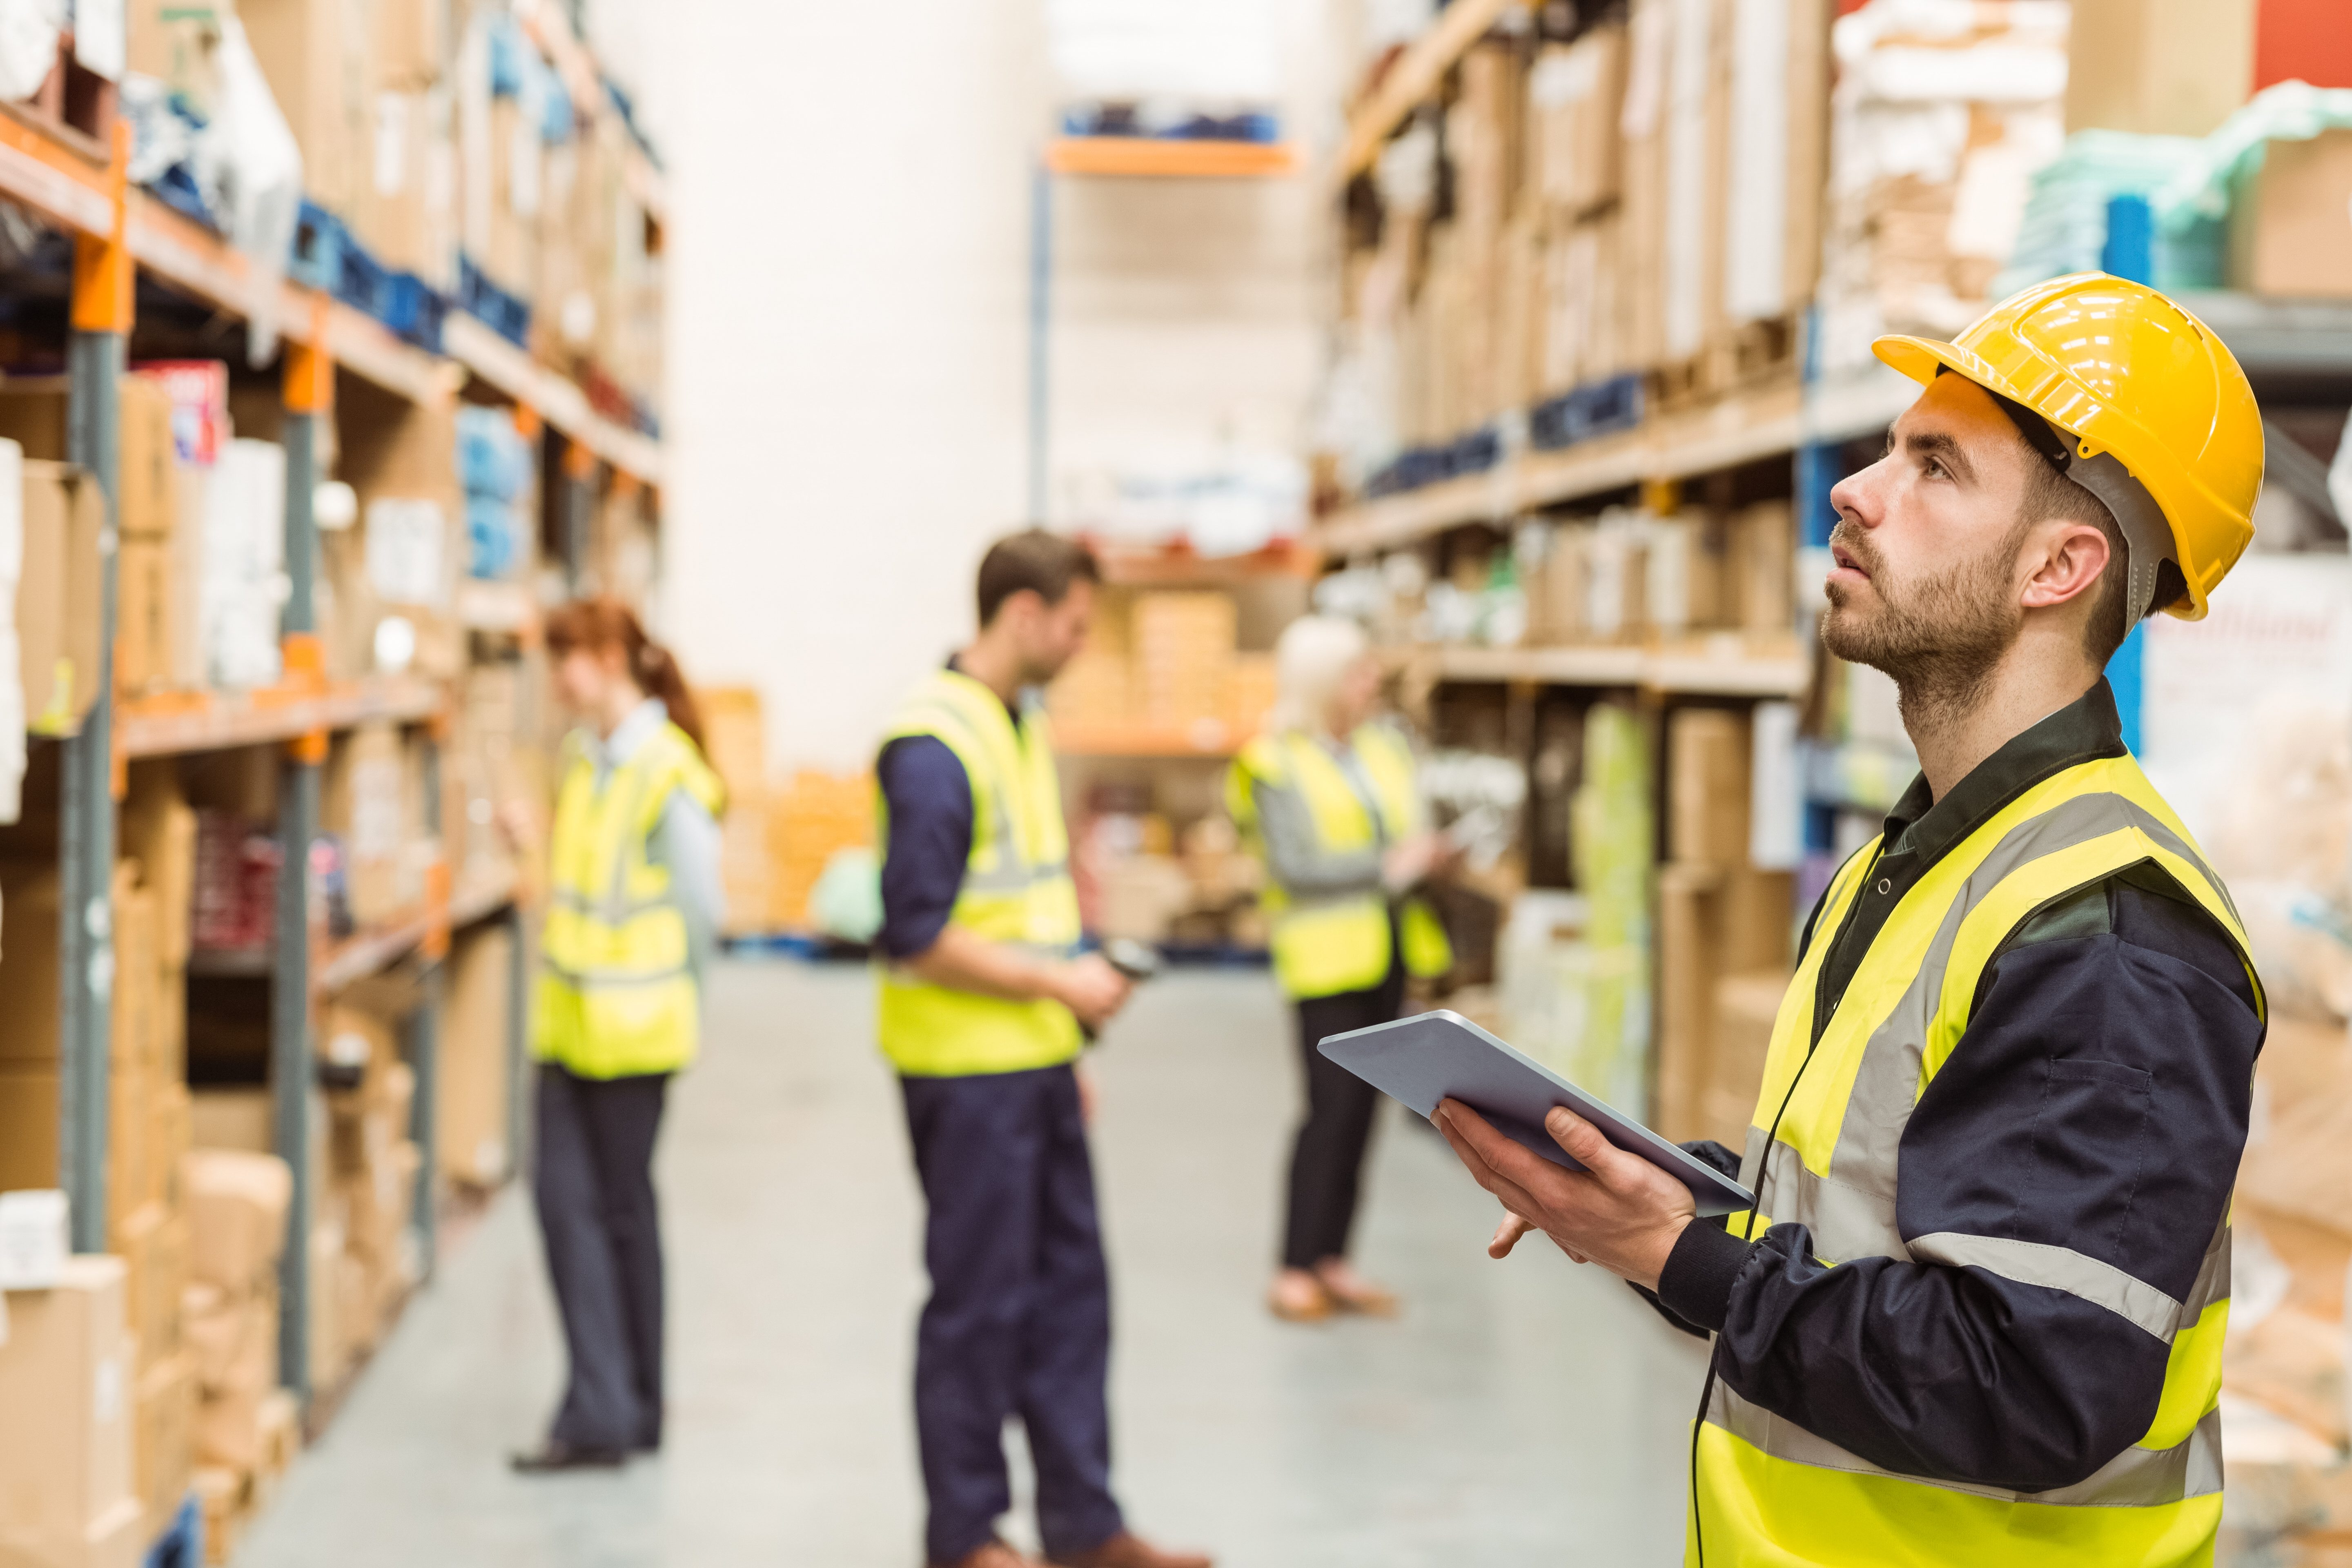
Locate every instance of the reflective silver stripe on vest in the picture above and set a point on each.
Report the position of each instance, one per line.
(2056, 1269)
(1856, 1200)
(2137, 1477)
(612, 979)
(612, 909)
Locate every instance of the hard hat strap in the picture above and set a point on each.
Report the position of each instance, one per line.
(2147, 537)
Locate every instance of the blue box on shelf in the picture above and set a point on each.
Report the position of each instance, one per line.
(1596, 408)
(496, 308)
(320, 241)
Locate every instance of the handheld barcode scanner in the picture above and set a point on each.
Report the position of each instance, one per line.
(1138, 961)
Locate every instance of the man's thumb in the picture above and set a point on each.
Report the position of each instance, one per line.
(1580, 1138)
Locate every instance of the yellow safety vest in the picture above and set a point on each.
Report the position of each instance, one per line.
(1016, 890)
(1822, 1153)
(616, 997)
(1328, 946)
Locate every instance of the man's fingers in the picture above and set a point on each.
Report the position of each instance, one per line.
(1507, 1235)
(1583, 1143)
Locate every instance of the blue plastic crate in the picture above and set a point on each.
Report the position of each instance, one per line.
(182, 1544)
(496, 308)
(413, 309)
(361, 281)
(320, 241)
(1598, 409)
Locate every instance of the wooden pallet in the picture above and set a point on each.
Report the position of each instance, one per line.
(1739, 357)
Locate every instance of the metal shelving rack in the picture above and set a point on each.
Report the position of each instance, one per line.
(120, 233)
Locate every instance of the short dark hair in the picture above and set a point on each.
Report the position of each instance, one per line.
(2049, 494)
(1045, 564)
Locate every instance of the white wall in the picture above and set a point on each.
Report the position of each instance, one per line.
(849, 275)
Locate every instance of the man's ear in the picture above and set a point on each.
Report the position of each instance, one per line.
(2065, 561)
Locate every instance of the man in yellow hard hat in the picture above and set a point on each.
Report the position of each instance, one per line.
(1977, 1315)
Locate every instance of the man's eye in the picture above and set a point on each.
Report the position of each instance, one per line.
(1932, 467)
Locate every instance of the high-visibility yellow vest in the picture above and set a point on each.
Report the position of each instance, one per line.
(616, 997)
(1823, 1151)
(1016, 890)
(1326, 946)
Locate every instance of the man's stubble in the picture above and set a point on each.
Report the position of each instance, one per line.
(1941, 638)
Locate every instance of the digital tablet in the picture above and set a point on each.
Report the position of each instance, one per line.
(1436, 1055)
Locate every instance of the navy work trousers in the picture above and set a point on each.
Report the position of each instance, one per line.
(594, 1180)
(1019, 1319)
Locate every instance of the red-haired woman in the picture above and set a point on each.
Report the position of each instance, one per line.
(632, 912)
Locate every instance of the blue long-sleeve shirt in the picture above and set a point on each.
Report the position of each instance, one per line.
(2097, 1101)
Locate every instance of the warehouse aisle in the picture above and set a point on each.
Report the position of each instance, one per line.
(1520, 1412)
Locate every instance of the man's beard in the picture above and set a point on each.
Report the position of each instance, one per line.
(1939, 639)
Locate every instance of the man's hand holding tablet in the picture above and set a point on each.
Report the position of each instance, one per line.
(1620, 1211)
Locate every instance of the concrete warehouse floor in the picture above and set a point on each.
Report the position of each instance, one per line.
(1520, 1412)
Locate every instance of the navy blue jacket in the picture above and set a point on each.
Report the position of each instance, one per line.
(2097, 1101)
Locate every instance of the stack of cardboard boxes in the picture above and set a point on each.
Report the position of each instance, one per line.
(246, 1425)
(474, 1070)
(813, 818)
(1165, 662)
(735, 740)
(1724, 933)
(371, 798)
(364, 1258)
(1942, 113)
(68, 1494)
(1636, 195)
(1636, 575)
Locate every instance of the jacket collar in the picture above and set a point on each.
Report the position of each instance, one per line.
(2084, 730)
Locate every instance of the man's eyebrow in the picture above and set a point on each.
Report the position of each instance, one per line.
(1940, 444)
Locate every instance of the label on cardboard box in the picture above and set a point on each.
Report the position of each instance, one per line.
(33, 1247)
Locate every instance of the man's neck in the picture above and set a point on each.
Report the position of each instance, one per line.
(994, 665)
(1952, 741)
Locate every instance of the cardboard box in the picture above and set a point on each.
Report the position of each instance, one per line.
(1706, 788)
(153, 1246)
(132, 1179)
(30, 1154)
(1576, 100)
(2165, 67)
(164, 1441)
(29, 964)
(404, 206)
(472, 1073)
(233, 1117)
(159, 831)
(406, 46)
(147, 500)
(65, 1382)
(1689, 954)
(147, 600)
(237, 1205)
(2291, 226)
(1746, 1006)
(371, 796)
(57, 595)
(313, 62)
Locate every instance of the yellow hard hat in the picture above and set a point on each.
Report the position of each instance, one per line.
(2165, 427)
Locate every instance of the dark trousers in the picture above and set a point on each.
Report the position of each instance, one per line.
(595, 1184)
(1326, 1162)
(1019, 1319)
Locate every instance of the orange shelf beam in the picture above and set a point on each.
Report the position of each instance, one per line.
(1148, 157)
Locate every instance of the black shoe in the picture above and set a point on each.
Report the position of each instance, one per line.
(552, 1457)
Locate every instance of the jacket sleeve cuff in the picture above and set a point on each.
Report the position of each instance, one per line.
(1696, 1281)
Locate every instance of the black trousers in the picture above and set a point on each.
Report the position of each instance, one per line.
(595, 1184)
(1019, 1319)
(1326, 1162)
